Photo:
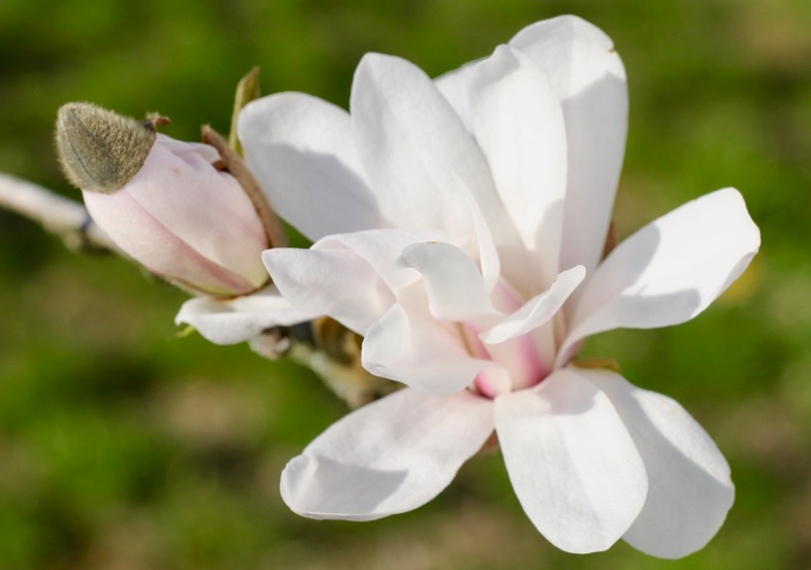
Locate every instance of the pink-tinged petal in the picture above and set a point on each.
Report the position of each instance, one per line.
(230, 321)
(388, 457)
(334, 282)
(418, 157)
(538, 310)
(207, 209)
(571, 461)
(670, 270)
(589, 80)
(420, 352)
(301, 150)
(690, 491)
(455, 287)
(518, 123)
(161, 251)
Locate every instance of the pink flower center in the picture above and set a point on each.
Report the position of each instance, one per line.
(517, 363)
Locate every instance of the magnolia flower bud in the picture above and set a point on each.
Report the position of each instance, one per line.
(164, 202)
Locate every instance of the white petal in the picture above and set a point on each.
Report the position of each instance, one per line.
(390, 456)
(670, 270)
(382, 249)
(589, 79)
(518, 123)
(301, 150)
(487, 250)
(690, 491)
(571, 461)
(234, 320)
(420, 352)
(417, 155)
(455, 87)
(537, 311)
(455, 287)
(334, 282)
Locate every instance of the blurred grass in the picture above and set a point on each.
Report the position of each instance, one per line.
(123, 447)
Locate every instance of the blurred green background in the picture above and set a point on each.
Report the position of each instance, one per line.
(124, 447)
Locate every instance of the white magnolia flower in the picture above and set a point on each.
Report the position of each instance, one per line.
(459, 226)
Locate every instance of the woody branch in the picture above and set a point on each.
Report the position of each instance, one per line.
(58, 215)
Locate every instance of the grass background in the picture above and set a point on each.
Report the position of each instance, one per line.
(123, 447)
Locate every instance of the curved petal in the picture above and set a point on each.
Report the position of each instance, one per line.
(670, 270)
(571, 461)
(420, 352)
(690, 491)
(455, 87)
(589, 80)
(518, 123)
(161, 251)
(390, 456)
(301, 150)
(333, 282)
(382, 249)
(455, 287)
(418, 157)
(202, 206)
(234, 320)
(537, 311)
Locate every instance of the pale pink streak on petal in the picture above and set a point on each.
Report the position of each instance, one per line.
(205, 208)
(301, 149)
(158, 249)
(571, 461)
(388, 457)
(690, 490)
(670, 270)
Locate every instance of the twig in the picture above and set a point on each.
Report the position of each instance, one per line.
(58, 215)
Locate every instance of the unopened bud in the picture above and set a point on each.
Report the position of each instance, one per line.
(164, 202)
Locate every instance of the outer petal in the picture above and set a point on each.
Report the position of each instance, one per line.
(158, 249)
(690, 490)
(334, 282)
(670, 270)
(455, 87)
(518, 123)
(235, 320)
(205, 208)
(391, 456)
(417, 155)
(301, 150)
(589, 79)
(420, 352)
(572, 463)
